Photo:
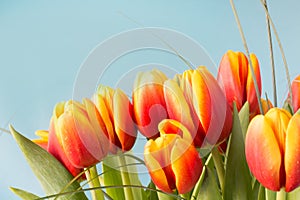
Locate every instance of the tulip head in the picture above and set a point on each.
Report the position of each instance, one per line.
(273, 149)
(236, 79)
(78, 130)
(116, 112)
(209, 109)
(149, 105)
(172, 160)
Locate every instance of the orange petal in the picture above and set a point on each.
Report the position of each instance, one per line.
(177, 107)
(57, 151)
(279, 120)
(123, 120)
(263, 153)
(211, 106)
(106, 118)
(292, 154)
(186, 165)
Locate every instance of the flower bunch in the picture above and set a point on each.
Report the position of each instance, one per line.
(184, 118)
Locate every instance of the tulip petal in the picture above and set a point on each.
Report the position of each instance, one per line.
(263, 153)
(123, 120)
(211, 106)
(292, 154)
(55, 148)
(186, 165)
(177, 107)
(109, 126)
(160, 173)
(148, 102)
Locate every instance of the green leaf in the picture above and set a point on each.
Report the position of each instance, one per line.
(52, 175)
(24, 194)
(151, 195)
(237, 174)
(244, 118)
(294, 194)
(209, 188)
(112, 177)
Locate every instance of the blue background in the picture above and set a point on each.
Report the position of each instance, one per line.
(43, 44)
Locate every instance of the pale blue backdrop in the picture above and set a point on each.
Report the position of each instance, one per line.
(43, 44)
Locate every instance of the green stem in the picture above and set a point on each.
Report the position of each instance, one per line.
(281, 195)
(93, 180)
(125, 178)
(185, 196)
(217, 158)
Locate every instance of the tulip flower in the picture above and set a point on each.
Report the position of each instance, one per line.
(273, 149)
(235, 77)
(116, 112)
(209, 109)
(172, 160)
(77, 134)
(296, 93)
(149, 105)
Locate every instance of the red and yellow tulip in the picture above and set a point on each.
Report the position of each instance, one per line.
(273, 149)
(116, 112)
(209, 109)
(172, 160)
(236, 79)
(77, 134)
(148, 102)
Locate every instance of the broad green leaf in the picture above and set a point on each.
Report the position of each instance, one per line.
(24, 194)
(52, 175)
(209, 188)
(237, 174)
(294, 194)
(112, 177)
(244, 118)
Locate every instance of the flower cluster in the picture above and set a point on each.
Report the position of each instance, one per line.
(179, 116)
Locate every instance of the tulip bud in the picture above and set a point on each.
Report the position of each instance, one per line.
(272, 149)
(236, 79)
(78, 131)
(149, 105)
(172, 160)
(116, 112)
